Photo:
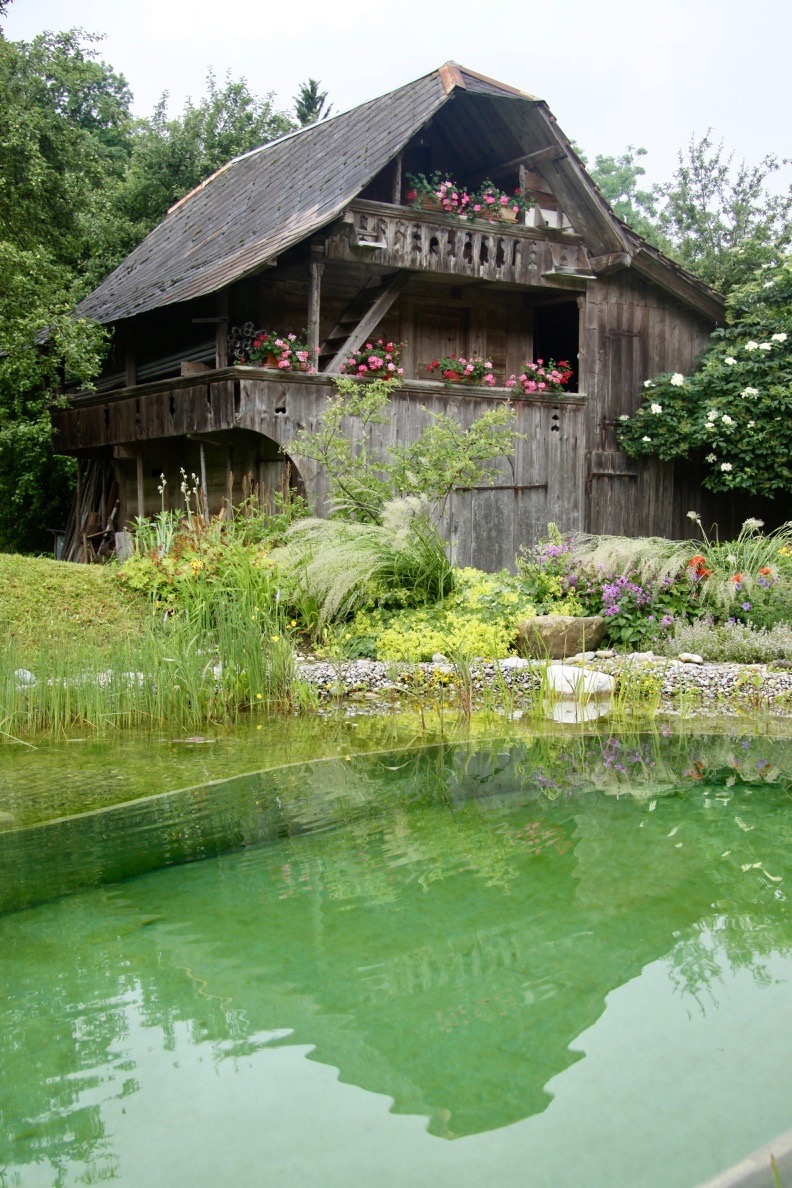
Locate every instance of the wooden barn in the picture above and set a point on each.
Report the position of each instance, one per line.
(314, 233)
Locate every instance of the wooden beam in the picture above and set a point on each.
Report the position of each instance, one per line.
(316, 267)
(610, 262)
(396, 193)
(130, 358)
(369, 321)
(221, 330)
(139, 475)
(553, 152)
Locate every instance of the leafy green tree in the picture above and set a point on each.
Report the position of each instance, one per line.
(735, 410)
(443, 457)
(64, 139)
(64, 128)
(310, 104)
(721, 220)
(618, 180)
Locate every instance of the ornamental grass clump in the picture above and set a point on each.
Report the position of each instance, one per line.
(731, 642)
(332, 568)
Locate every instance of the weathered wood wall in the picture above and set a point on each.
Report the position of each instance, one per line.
(166, 423)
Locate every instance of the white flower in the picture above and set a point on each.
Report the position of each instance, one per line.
(750, 392)
(726, 465)
(648, 384)
(778, 337)
(752, 346)
(727, 419)
(645, 438)
(765, 346)
(691, 515)
(677, 379)
(730, 360)
(712, 414)
(709, 458)
(768, 284)
(752, 524)
(624, 417)
(751, 424)
(731, 559)
(656, 409)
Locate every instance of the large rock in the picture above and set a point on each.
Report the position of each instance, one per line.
(568, 681)
(553, 637)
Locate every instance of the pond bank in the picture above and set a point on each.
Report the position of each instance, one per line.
(641, 677)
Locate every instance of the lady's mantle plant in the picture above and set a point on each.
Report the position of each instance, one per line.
(735, 409)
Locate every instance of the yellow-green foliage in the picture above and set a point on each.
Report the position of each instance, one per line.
(479, 618)
(42, 600)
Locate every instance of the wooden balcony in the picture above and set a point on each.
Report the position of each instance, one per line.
(422, 240)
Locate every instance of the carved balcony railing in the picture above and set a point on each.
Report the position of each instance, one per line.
(421, 240)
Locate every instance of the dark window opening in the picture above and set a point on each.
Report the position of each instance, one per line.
(556, 336)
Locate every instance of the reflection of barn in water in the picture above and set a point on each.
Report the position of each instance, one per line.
(315, 231)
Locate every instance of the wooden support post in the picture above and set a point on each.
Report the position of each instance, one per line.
(314, 303)
(130, 357)
(229, 508)
(139, 470)
(396, 196)
(221, 330)
(204, 488)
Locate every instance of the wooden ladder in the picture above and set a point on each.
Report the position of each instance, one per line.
(363, 314)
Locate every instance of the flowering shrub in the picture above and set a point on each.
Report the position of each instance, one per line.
(541, 376)
(639, 608)
(289, 352)
(734, 409)
(471, 371)
(454, 199)
(376, 358)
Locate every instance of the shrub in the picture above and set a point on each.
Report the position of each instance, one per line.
(736, 643)
(478, 618)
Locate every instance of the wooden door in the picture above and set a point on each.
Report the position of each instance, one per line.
(437, 333)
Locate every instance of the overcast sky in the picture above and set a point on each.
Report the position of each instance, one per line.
(614, 72)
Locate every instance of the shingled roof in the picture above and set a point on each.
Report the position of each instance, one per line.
(264, 202)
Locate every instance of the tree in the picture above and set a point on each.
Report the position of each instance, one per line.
(64, 139)
(721, 220)
(735, 411)
(309, 103)
(617, 178)
(64, 126)
(443, 457)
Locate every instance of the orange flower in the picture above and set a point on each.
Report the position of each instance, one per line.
(765, 571)
(738, 577)
(698, 560)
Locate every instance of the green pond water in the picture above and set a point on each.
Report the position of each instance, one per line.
(554, 960)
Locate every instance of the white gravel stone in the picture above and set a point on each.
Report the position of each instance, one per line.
(690, 658)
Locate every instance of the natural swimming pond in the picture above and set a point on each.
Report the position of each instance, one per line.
(549, 961)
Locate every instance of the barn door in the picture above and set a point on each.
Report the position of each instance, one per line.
(611, 477)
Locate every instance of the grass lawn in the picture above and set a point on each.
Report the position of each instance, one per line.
(43, 600)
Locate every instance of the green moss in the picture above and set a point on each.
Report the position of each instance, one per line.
(43, 600)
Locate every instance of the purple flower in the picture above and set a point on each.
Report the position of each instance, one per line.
(666, 620)
(746, 606)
